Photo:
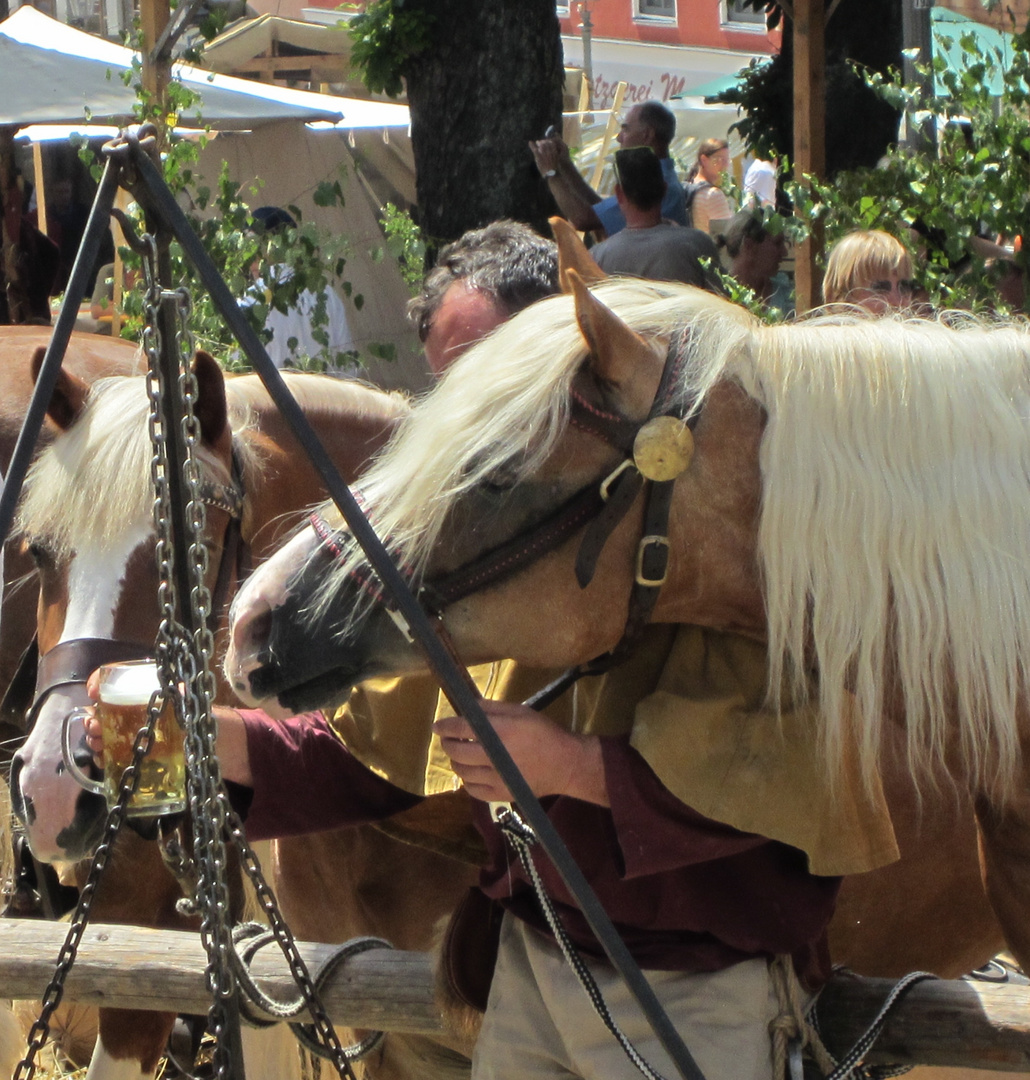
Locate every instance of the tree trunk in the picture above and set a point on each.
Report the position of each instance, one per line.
(490, 81)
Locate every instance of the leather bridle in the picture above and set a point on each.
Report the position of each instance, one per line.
(657, 450)
(69, 663)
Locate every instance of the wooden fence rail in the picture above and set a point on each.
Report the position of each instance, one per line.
(969, 1024)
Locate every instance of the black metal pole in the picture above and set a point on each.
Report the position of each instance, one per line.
(85, 260)
(454, 681)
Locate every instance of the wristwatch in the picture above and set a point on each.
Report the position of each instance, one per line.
(550, 173)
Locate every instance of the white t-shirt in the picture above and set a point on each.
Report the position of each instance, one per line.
(760, 181)
(295, 326)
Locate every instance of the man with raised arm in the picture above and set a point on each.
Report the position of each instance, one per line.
(650, 124)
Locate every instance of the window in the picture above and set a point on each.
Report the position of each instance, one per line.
(656, 9)
(562, 8)
(736, 12)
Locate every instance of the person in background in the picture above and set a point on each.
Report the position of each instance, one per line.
(650, 247)
(479, 281)
(650, 124)
(755, 253)
(708, 202)
(760, 183)
(869, 268)
(294, 342)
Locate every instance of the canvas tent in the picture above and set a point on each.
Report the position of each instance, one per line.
(52, 74)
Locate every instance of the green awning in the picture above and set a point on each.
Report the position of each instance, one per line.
(949, 27)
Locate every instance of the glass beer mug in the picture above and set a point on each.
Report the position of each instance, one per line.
(125, 692)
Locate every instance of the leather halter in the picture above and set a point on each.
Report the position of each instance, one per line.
(69, 663)
(600, 505)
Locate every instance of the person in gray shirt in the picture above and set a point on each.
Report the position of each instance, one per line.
(649, 246)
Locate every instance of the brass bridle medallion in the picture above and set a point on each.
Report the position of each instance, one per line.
(663, 448)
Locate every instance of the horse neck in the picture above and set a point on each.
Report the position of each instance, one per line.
(713, 573)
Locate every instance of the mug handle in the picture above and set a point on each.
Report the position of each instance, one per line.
(95, 786)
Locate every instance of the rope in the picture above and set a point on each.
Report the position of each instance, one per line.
(850, 1067)
(521, 837)
(248, 938)
(791, 1024)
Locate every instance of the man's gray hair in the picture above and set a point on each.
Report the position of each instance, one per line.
(506, 260)
(660, 120)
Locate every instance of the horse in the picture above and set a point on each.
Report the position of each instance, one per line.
(88, 356)
(86, 514)
(854, 484)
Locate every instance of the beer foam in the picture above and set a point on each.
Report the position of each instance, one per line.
(129, 684)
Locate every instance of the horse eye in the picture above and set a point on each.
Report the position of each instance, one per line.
(501, 480)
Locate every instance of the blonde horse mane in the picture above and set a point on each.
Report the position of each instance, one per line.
(895, 467)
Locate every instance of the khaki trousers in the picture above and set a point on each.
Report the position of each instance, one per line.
(540, 1025)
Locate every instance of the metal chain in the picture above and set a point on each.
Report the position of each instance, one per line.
(184, 665)
(213, 817)
(184, 658)
(340, 1055)
(40, 1030)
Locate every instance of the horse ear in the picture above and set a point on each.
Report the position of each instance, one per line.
(211, 410)
(573, 255)
(616, 351)
(69, 395)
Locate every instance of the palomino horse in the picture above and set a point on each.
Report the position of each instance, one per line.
(87, 515)
(856, 499)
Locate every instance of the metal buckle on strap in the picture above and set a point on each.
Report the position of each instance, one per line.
(645, 542)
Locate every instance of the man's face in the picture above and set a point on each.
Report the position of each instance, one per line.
(633, 131)
(464, 316)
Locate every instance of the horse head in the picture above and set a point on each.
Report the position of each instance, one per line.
(87, 517)
(856, 498)
(515, 453)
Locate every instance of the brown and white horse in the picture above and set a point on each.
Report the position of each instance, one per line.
(856, 499)
(87, 515)
(89, 357)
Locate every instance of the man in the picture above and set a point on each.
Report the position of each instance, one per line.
(313, 328)
(479, 281)
(650, 247)
(756, 252)
(650, 124)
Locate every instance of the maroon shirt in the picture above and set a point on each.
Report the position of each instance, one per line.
(686, 893)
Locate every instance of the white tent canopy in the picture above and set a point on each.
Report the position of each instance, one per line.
(53, 74)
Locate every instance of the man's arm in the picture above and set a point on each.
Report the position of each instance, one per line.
(574, 196)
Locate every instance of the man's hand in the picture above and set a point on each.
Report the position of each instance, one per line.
(550, 155)
(231, 747)
(552, 760)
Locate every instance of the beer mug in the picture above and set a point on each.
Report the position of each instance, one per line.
(125, 692)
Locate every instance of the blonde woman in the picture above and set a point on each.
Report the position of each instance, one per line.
(869, 268)
(708, 201)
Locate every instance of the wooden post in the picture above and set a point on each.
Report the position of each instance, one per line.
(809, 134)
(153, 17)
(37, 166)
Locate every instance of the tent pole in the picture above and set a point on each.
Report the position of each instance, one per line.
(37, 165)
